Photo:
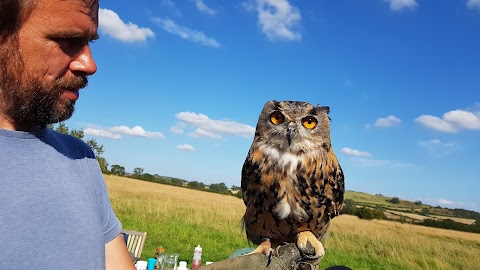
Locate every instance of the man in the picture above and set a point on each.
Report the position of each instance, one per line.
(55, 211)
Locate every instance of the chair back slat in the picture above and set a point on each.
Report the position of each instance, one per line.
(135, 242)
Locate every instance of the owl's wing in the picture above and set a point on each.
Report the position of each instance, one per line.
(250, 172)
(337, 186)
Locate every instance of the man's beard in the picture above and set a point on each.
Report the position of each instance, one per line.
(30, 100)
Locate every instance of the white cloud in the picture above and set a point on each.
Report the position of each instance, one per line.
(136, 131)
(116, 132)
(178, 129)
(168, 3)
(203, 133)
(210, 128)
(101, 133)
(363, 162)
(443, 201)
(438, 142)
(473, 4)
(388, 121)
(352, 152)
(436, 123)
(397, 5)
(278, 18)
(186, 33)
(204, 8)
(437, 148)
(111, 24)
(452, 121)
(186, 147)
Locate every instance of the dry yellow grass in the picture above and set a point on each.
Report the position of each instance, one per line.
(403, 246)
(180, 218)
(468, 221)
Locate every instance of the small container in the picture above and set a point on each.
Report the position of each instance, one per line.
(182, 265)
(197, 258)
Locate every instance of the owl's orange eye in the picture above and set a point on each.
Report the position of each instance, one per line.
(309, 122)
(277, 118)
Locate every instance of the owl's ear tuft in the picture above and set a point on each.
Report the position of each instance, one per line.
(272, 103)
(324, 108)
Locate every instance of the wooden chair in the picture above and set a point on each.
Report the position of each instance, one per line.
(135, 241)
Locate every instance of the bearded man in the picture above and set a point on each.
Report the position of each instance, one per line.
(55, 212)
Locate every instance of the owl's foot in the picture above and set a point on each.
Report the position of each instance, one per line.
(303, 239)
(265, 247)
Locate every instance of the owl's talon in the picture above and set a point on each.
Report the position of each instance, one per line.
(305, 238)
(269, 257)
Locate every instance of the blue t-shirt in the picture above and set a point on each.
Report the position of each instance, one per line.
(55, 212)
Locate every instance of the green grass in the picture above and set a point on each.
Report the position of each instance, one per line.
(179, 219)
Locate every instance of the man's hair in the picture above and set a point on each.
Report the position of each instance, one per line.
(12, 14)
(9, 17)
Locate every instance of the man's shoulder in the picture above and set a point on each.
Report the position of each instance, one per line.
(68, 143)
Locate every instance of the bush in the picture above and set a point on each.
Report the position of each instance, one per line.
(367, 213)
(349, 207)
(395, 200)
(450, 224)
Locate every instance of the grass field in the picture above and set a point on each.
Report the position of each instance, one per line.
(179, 219)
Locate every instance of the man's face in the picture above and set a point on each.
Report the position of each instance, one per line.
(48, 63)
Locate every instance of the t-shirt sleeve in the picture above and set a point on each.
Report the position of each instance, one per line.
(111, 225)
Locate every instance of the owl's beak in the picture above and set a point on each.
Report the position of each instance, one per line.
(290, 134)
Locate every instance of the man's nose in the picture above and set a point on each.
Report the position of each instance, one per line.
(84, 62)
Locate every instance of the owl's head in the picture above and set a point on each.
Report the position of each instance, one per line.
(293, 126)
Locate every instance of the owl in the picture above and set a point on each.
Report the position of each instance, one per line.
(292, 183)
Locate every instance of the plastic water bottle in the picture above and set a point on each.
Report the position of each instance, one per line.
(197, 257)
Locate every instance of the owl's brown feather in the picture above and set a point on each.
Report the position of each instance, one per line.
(289, 188)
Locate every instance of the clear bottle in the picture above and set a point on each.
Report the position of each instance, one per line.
(159, 255)
(197, 258)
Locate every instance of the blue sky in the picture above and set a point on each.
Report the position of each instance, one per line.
(180, 85)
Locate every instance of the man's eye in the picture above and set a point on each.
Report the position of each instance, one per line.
(71, 44)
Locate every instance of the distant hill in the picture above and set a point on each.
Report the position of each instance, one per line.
(413, 211)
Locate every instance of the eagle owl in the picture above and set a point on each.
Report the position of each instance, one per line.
(292, 183)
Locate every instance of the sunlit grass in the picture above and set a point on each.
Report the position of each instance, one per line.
(181, 218)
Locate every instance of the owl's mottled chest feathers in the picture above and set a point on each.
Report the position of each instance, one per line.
(289, 193)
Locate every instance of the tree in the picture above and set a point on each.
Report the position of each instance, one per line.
(77, 133)
(102, 162)
(62, 128)
(137, 171)
(117, 170)
(220, 187)
(418, 203)
(196, 185)
(97, 149)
